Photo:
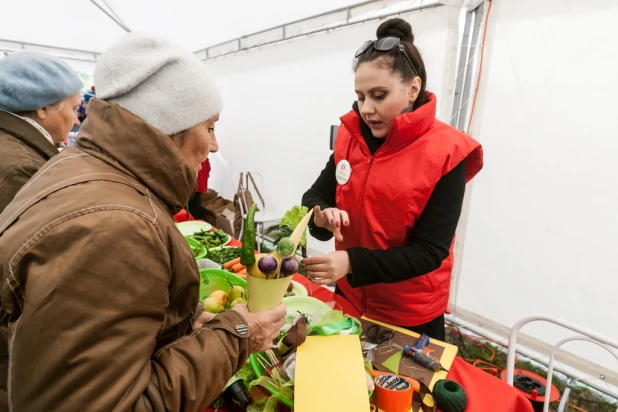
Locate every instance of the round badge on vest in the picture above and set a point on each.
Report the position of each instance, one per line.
(343, 172)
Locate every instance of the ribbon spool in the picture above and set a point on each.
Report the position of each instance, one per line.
(450, 396)
(393, 393)
(421, 394)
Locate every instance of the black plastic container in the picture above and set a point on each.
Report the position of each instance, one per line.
(237, 397)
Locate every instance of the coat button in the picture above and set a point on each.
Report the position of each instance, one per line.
(242, 329)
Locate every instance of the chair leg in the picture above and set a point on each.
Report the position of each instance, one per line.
(260, 229)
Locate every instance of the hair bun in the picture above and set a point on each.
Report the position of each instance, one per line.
(396, 27)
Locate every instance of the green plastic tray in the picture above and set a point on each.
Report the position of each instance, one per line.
(218, 279)
(259, 371)
(203, 250)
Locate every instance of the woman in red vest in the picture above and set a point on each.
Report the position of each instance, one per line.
(392, 192)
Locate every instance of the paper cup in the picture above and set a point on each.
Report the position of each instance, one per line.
(264, 294)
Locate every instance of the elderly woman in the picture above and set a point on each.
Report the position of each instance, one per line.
(39, 96)
(99, 289)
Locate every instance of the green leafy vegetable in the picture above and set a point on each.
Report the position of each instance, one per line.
(292, 218)
(245, 374)
(224, 254)
(264, 405)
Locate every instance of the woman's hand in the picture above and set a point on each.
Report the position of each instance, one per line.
(264, 326)
(332, 219)
(326, 269)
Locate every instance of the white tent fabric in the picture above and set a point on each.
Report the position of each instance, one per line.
(195, 24)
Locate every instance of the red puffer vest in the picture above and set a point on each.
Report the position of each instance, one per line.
(386, 193)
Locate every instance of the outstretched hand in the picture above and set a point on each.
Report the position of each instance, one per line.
(332, 219)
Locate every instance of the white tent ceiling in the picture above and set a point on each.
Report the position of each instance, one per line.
(195, 24)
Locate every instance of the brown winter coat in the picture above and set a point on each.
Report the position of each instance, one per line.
(23, 151)
(98, 286)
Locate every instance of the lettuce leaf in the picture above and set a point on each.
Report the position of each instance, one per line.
(292, 218)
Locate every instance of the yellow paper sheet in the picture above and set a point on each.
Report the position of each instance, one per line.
(330, 375)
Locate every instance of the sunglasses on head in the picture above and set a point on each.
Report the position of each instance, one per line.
(385, 44)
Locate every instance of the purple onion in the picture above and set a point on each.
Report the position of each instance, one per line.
(289, 266)
(267, 265)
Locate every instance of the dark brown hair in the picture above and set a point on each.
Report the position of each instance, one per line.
(394, 58)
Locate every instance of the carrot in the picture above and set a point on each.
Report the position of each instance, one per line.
(228, 265)
(238, 267)
(242, 275)
(242, 272)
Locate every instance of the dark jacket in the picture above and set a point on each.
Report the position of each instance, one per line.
(99, 287)
(23, 151)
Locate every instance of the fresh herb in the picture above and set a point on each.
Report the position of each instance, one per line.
(224, 254)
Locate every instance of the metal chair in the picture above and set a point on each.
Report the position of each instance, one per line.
(587, 335)
(262, 216)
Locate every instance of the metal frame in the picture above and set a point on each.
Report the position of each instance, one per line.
(260, 216)
(285, 33)
(550, 370)
(470, 50)
(58, 51)
(112, 15)
(465, 86)
(65, 52)
(588, 335)
(564, 399)
(485, 328)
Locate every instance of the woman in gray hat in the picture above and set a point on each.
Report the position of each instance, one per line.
(100, 292)
(39, 96)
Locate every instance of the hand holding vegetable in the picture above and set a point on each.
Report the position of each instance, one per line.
(264, 326)
(326, 269)
(332, 219)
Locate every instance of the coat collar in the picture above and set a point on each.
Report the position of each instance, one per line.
(27, 133)
(406, 128)
(125, 141)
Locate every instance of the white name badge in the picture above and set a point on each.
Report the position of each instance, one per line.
(343, 172)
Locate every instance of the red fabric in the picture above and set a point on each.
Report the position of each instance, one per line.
(202, 177)
(183, 216)
(386, 193)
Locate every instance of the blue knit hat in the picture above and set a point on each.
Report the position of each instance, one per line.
(32, 80)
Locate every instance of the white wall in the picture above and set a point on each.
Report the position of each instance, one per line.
(281, 100)
(542, 228)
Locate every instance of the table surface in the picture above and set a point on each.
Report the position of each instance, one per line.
(485, 392)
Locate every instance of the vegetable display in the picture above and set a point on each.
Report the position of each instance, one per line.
(224, 255)
(211, 239)
(198, 250)
(279, 263)
(285, 247)
(275, 368)
(219, 300)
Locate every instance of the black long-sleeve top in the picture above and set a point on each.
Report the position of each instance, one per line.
(428, 243)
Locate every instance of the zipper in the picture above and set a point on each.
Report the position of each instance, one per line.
(360, 213)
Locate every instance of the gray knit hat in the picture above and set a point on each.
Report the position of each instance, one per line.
(158, 81)
(31, 80)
